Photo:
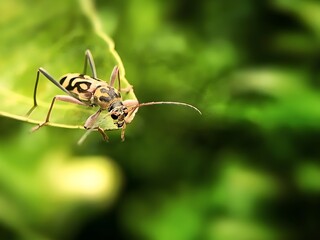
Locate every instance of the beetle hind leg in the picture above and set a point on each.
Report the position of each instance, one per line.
(63, 98)
(35, 104)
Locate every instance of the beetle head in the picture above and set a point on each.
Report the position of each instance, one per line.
(118, 112)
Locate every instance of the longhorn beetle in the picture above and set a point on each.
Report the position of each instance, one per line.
(90, 91)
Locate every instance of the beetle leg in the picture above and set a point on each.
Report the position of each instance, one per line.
(91, 120)
(89, 59)
(115, 74)
(127, 89)
(132, 106)
(103, 133)
(89, 124)
(63, 98)
(123, 132)
(49, 77)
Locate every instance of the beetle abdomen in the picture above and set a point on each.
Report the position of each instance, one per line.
(80, 86)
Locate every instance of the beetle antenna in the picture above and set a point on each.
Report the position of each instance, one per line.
(169, 103)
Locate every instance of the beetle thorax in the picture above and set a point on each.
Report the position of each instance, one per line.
(105, 95)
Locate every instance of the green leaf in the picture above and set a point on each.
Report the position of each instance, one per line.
(54, 36)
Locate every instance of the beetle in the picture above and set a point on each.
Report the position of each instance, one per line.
(91, 91)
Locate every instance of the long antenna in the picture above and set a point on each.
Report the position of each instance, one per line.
(90, 130)
(169, 103)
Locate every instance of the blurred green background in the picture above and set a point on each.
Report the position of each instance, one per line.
(247, 169)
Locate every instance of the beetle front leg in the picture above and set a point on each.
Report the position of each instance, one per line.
(63, 98)
(132, 106)
(89, 124)
(103, 133)
(123, 130)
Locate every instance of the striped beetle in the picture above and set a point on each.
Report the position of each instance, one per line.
(90, 91)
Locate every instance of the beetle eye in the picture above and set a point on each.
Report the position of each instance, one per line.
(114, 116)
